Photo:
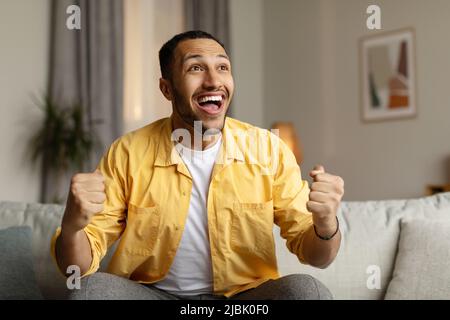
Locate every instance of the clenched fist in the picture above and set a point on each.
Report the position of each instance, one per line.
(324, 199)
(86, 198)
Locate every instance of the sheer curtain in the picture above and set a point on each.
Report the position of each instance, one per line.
(148, 24)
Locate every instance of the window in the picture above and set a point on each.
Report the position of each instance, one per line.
(148, 25)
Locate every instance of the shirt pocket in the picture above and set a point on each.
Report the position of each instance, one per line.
(252, 227)
(143, 223)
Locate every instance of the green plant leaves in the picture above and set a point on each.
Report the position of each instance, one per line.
(62, 141)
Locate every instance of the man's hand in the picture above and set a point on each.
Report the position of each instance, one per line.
(86, 198)
(324, 200)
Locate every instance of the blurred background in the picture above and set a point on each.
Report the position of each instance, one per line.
(65, 95)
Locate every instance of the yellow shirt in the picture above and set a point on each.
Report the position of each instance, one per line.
(255, 183)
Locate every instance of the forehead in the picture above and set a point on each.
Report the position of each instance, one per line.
(202, 47)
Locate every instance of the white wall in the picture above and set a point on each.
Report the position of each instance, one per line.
(311, 77)
(24, 40)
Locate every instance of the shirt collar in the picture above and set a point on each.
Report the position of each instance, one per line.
(231, 148)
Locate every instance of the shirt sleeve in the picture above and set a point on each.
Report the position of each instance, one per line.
(290, 194)
(107, 226)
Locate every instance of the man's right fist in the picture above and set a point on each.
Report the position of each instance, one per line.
(86, 198)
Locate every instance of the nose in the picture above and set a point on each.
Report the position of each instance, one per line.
(212, 80)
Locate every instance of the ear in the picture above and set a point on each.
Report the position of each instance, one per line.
(166, 88)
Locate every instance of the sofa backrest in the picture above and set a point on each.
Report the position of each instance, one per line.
(43, 219)
(370, 232)
(370, 236)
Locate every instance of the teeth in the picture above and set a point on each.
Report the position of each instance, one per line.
(210, 98)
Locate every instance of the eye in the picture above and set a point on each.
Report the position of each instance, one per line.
(195, 67)
(224, 67)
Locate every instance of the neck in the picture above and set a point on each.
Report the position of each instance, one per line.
(206, 141)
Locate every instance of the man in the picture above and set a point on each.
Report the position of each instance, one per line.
(194, 199)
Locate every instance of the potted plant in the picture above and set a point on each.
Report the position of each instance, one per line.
(62, 144)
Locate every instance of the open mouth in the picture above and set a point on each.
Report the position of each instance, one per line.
(211, 104)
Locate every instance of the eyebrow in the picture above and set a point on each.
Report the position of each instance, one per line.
(197, 56)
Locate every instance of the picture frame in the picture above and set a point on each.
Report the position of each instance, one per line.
(388, 76)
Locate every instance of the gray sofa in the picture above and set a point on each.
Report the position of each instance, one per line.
(393, 249)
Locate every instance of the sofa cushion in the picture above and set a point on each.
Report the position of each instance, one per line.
(370, 233)
(17, 276)
(422, 266)
(43, 220)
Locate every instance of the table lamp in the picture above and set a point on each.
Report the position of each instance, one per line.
(287, 134)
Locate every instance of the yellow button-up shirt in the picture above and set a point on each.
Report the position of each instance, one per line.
(255, 183)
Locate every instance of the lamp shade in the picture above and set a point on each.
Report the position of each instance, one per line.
(286, 132)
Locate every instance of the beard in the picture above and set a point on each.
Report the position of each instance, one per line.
(184, 110)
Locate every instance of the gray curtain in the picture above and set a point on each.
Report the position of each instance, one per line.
(211, 16)
(86, 67)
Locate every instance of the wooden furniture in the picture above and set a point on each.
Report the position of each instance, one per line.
(437, 188)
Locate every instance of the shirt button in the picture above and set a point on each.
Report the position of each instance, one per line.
(184, 193)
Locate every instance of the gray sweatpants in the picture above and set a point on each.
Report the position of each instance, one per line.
(105, 286)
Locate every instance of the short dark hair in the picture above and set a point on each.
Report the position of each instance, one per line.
(166, 54)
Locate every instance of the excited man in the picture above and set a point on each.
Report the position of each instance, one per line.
(194, 198)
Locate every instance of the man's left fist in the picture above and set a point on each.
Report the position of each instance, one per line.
(324, 199)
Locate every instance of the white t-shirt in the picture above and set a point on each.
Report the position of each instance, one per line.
(191, 270)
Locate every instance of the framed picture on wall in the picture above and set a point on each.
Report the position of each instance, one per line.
(388, 75)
